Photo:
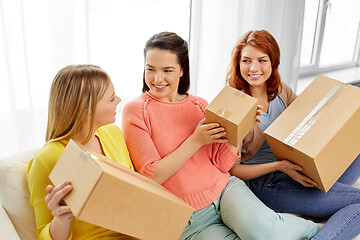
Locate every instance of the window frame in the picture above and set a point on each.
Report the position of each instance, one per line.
(314, 67)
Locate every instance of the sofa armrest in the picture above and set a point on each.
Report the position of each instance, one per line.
(7, 230)
(14, 194)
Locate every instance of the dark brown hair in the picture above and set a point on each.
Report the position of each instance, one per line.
(172, 42)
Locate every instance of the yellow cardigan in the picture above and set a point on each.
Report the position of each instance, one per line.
(40, 167)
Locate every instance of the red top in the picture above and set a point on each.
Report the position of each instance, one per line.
(152, 129)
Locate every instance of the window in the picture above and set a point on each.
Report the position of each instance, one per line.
(331, 36)
(118, 31)
(39, 37)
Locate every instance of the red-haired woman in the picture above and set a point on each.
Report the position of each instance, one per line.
(279, 184)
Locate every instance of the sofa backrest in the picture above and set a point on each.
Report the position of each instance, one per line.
(14, 193)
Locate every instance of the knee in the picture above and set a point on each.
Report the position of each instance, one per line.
(284, 227)
(264, 228)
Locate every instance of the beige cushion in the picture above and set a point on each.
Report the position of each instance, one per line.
(7, 229)
(14, 193)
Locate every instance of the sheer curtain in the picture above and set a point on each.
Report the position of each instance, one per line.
(39, 37)
(217, 25)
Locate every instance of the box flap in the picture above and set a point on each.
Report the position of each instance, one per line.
(68, 169)
(233, 110)
(232, 104)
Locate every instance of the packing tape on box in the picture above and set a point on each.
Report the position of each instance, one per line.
(239, 94)
(223, 113)
(315, 114)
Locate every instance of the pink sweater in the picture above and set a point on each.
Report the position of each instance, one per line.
(152, 129)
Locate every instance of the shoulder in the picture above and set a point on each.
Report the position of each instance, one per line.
(110, 130)
(52, 149)
(285, 88)
(111, 135)
(137, 105)
(136, 102)
(198, 100)
(287, 95)
(48, 155)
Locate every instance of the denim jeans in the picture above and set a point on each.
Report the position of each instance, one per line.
(341, 204)
(239, 214)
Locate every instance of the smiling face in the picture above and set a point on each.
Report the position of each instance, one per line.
(162, 74)
(106, 107)
(255, 66)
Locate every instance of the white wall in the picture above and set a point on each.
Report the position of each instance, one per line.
(217, 25)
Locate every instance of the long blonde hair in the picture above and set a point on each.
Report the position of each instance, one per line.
(74, 94)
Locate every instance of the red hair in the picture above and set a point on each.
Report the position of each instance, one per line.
(265, 42)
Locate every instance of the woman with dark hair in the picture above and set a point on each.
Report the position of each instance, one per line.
(169, 141)
(279, 184)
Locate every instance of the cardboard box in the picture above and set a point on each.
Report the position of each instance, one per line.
(320, 130)
(111, 196)
(235, 111)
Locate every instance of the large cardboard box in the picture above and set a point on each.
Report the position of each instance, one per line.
(111, 196)
(320, 130)
(235, 111)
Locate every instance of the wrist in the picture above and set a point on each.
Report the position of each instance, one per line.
(235, 150)
(279, 166)
(194, 141)
(60, 228)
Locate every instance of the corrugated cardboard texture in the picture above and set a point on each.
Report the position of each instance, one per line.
(235, 111)
(331, 142)
(117, 198)
(77, 166)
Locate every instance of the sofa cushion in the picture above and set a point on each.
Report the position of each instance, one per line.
(7, 229)
(14, 193)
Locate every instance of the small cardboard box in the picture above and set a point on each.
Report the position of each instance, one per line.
(111, 196)
(320, 130)
(233, 110)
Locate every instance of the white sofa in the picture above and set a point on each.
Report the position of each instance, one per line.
(17, 220)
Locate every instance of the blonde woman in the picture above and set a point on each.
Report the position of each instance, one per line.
(82, 107)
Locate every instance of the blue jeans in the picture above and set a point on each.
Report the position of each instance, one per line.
(239, 214)
(341, 204)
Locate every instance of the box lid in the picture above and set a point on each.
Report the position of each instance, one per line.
(89, 172)
(232, 104)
